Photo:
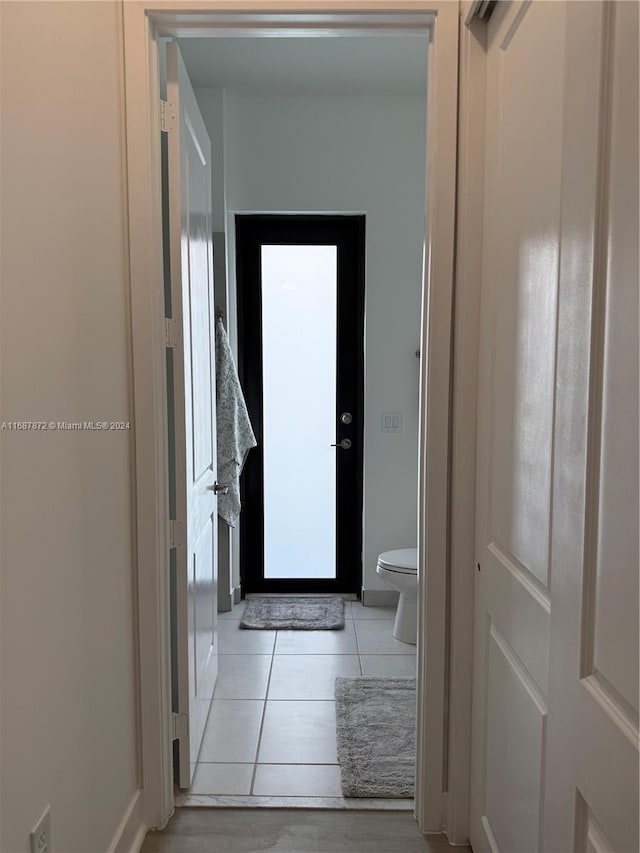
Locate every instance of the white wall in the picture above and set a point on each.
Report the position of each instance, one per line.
(353, 154)
(68, 729)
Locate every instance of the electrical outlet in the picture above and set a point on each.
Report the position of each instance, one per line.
(40, 835)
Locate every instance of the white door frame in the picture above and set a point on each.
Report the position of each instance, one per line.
(464, 404)
(144, 21)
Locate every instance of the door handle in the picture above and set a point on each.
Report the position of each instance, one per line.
(345, 444)
(219, 488)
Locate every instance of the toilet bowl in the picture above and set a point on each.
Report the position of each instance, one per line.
(399, 570)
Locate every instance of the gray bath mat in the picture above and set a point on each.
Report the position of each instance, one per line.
(376, 722)
(297, 614)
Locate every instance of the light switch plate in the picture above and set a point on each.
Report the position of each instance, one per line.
(391, 422)
(40, 835)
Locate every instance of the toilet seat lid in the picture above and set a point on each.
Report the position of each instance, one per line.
(401, 560)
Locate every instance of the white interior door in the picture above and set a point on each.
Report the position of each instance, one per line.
(193, 312)
(554, 765)
(591, 763)
(521, 241)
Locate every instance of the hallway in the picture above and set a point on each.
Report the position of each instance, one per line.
(293, 831)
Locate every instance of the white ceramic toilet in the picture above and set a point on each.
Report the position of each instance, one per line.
(399, 570)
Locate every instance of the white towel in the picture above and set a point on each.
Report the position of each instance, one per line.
(235, 435)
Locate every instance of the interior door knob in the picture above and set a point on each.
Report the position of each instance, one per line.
(219, 488)
(345, 444)
(346, 417)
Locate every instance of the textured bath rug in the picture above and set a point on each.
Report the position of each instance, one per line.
(376, 723)
(297, 614)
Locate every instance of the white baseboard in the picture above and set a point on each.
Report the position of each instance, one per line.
(226, 602)
(379, 597)
(130, 833)
(236, 595)
(346, 596)
(138, 840)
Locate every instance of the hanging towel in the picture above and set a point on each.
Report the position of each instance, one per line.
(235, 435)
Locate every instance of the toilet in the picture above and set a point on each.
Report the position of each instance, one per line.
(399, 570)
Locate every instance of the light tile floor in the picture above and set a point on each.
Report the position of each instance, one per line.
(271, 731)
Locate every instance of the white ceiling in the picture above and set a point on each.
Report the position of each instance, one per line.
(347, 65)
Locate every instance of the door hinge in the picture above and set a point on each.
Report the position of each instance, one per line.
(480, 9)
(179, 726)
(167, 116)
(176, 533)
(171, 333)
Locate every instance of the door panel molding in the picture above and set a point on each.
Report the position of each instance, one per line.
(506, 595)
(522, 574)
(614, 706)
(524, 675)
(515, 24)
(609, 477)
(516, 736)
(589, 834)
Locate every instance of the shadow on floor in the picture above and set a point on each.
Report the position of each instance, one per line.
(204, 830)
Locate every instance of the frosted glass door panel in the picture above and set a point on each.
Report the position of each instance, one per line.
(299, 293)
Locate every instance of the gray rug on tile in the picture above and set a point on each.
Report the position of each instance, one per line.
(376, 724)
(294, 614)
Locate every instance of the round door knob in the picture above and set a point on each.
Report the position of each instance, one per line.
(346, 417)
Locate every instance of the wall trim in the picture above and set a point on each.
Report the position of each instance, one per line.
(435, 418)
(130, 833)
(379, 597)
(146, 277)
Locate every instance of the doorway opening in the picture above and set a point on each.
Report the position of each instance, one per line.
(329, 495)
(300, 283)
(146, 25)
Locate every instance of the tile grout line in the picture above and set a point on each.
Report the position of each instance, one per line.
(264, 711)
(302, 699)
(355, 633)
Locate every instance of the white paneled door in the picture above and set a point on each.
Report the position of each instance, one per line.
(192, 398)
(555, 703)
